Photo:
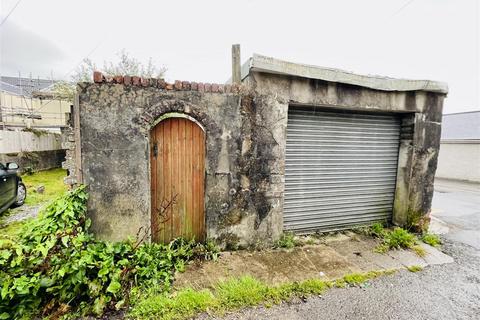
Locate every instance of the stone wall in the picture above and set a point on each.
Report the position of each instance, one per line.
(245, 152)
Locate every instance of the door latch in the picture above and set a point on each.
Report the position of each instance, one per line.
(155, 150)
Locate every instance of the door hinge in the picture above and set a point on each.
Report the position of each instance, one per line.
(155, 150)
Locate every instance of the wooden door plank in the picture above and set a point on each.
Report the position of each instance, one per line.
(153, 183)
(189, 173)
(160, 132)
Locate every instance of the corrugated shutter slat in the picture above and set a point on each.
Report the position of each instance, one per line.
(340, 169)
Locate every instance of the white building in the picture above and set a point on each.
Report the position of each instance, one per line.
(459, 157)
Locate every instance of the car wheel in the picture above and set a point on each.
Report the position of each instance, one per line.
(21, 195)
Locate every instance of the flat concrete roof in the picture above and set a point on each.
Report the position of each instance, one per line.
(265, 64)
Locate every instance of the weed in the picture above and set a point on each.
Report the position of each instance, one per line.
(419, 250)
(399, 238)
(287, 241)
(431, 239)
(377, 230)
(234, 294)
(415, 268)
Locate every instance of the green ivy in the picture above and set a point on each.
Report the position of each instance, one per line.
(56, 265)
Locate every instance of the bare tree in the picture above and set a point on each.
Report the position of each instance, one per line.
(126, 65)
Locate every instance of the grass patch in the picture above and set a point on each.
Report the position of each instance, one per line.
(415, 268)
(51, 179)
(234, 294)
(431, 239)
(12, 230)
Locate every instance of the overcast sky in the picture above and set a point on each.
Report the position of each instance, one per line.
(419, 39)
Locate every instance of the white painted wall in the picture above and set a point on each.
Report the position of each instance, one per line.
(18, 141)
(459, 160)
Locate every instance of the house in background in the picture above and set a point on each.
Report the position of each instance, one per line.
(459, 157)
(28, 103)
(25, 104)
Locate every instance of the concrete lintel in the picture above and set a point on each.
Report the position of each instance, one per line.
(265, 64)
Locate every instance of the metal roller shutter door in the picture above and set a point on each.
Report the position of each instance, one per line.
(340, 169)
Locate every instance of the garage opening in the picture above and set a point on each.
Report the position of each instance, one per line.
(340, 169)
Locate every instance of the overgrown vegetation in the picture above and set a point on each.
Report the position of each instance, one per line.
(399, 238)
(54, 265)
(234, 294)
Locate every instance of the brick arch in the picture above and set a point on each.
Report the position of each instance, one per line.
(151, 115)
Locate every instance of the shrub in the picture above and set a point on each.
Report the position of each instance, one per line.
(56, 264)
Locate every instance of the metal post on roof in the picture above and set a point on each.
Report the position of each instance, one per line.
(236, 74)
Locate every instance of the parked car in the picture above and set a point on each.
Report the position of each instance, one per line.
(12, 190)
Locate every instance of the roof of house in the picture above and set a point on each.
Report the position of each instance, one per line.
(23, 86)
(461, 126)
(270, 65)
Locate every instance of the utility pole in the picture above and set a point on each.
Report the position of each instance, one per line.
(236, 68)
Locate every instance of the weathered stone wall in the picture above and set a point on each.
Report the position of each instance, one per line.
(245, 149)
(421, 114)
(244, 155)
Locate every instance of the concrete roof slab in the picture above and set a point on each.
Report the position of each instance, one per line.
(265, 64)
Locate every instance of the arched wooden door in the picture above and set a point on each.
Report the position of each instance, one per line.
(177, 157)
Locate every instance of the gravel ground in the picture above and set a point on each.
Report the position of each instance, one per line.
(21, 213)
(450, 291)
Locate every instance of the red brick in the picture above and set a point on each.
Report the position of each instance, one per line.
(185, 85)
(194, 86)
(118, 79)
(201, 87)
(169, 86)
(178, 85)
(214, 87)
(97, 77)
(161, 83)
(144, 82)
(135, 80)
(127, 80)
(208, 87)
